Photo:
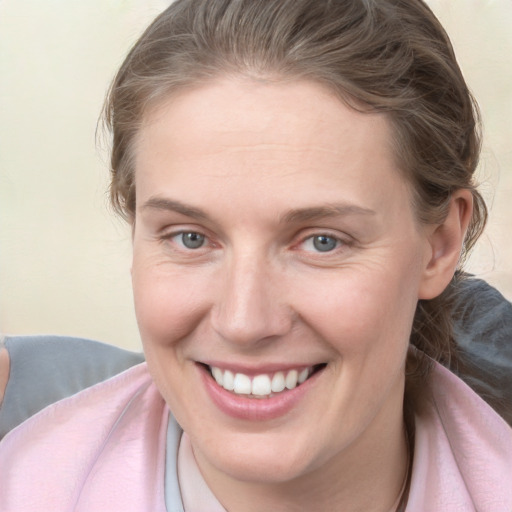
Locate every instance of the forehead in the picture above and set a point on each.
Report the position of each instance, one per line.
(298, 138)
(240, 109)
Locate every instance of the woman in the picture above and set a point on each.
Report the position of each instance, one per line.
(299, 179)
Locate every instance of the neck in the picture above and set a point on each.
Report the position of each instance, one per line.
(367, 477)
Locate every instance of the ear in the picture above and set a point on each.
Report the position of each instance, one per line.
(445, 242)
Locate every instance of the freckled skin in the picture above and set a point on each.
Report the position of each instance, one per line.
(264, 169)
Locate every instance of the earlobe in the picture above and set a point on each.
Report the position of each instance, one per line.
(445, 244)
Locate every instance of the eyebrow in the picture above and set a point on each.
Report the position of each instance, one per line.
(322, 212)
(293, 216)
(160, 203)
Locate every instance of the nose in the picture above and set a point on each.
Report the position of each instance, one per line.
(250, 306)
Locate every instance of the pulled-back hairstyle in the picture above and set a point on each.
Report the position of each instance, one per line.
(390, 56)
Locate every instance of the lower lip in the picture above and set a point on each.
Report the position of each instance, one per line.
(255, 409)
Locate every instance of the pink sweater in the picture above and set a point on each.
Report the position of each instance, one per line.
(104, 450)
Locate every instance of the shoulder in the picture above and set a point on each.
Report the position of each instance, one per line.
(483, 335)
(73, 447)
(40, 370)
(462, 452)
(482, 312)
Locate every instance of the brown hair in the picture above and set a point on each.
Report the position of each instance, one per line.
(389, 56)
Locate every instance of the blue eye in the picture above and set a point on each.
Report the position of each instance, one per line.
(324, 243)
(321, 243)
(192, 240)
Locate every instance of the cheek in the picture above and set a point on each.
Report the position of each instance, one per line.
(168, 305)
(364, 310)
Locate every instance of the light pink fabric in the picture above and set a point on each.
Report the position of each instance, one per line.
(463, 452)
(103, 450)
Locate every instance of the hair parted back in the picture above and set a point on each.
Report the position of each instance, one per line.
(390, 56)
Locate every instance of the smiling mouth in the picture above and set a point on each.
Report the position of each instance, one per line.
(263, 385)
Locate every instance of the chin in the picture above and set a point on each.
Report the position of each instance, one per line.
(262, 461)
(269, 471)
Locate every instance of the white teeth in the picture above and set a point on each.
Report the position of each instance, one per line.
(262, 385)
(278, 383)
(291, 379)
(228, 382)
(242, 384)
(303, 375)
(217, 375)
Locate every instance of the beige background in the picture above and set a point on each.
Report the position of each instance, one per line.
(64, 258)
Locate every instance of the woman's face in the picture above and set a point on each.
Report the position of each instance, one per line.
(274, 238)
